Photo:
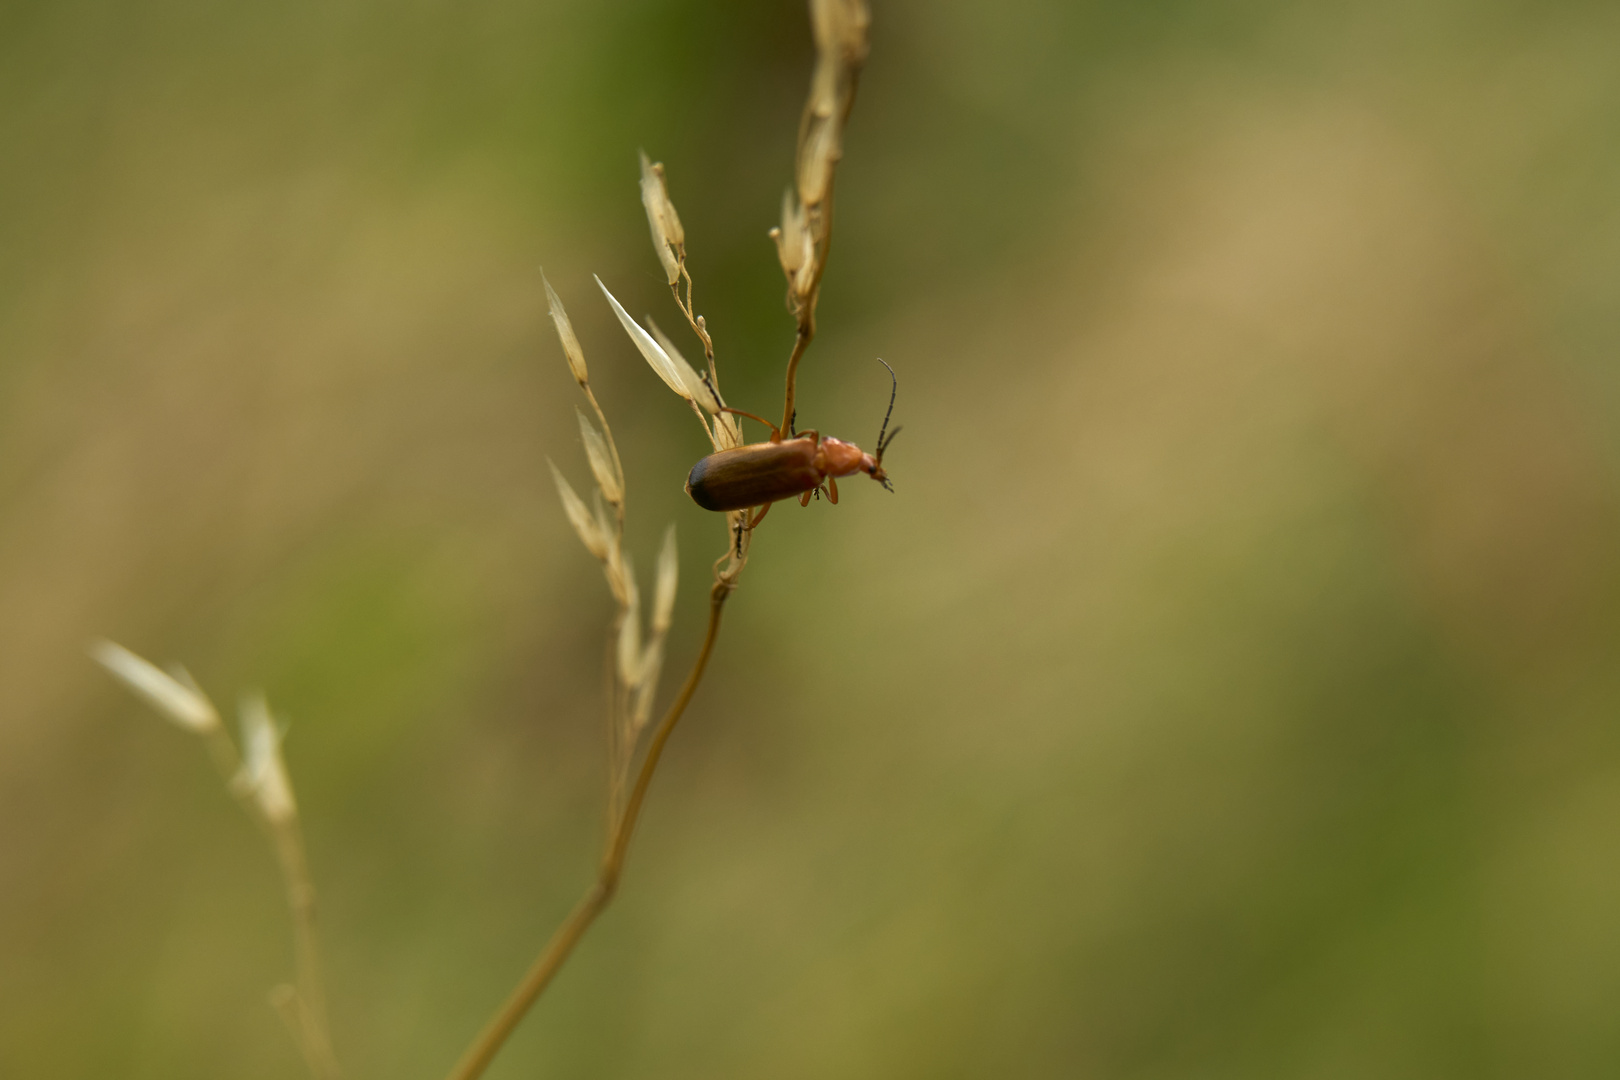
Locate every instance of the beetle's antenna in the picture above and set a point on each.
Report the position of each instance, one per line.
(894, 385)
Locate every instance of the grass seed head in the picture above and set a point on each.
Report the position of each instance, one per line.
(602, 463)
(696, 389)
(176, 698)
(652, 665)
(264, 773)
(565, 333)
(664, 592)
(820, 158)
(629, 644)
(654, 353)
(668, 238)
(790, 236)
(586, 525)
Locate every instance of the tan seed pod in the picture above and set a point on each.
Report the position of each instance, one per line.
(805, 280)
(854, 29)
(666, 207)
(824, 87)
(840, 28)
(565, 333)
(586, 525)
(668, 572)
(654, 353)
(790, 237)
(602, 466)
(654, 200)
(823, 23)
(820, 158)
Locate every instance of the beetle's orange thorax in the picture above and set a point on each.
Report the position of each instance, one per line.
(835, 457)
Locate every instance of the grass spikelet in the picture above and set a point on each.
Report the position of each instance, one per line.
(585, 523)
(178, 700)
(565, 333)
(668, 572)
(840, 29)
(603, 467)
(654, 354)
(697, 390)
(257, 776)
(263, 775)
(629, 643)
(669, 239)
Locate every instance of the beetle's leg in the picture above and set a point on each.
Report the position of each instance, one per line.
(754, 521)
(804, 500)
(776, 432)
(812, 434)
(832, 491)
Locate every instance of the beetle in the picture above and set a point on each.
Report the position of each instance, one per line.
(760, 474)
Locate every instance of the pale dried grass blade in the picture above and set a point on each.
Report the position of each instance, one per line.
(654, 353)
(602, 465)
(183, 704)
(565, 333)
(264, 772)
(586, 526)
(669, 568)
(696, 389)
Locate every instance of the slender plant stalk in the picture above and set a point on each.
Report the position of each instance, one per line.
(311, 993)
(803, 242)
(302, 1007)
(600, 894)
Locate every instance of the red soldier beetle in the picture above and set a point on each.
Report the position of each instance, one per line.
(760, 474)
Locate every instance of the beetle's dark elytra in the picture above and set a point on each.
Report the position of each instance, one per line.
(754, 475)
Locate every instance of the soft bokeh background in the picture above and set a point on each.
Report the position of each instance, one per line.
(1229, 690)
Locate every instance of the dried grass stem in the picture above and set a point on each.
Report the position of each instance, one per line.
(602, 890)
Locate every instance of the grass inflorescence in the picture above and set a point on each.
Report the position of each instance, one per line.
(634, 649)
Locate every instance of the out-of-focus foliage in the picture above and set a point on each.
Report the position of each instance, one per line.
(1229, 690)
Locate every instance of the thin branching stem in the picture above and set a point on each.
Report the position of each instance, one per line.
(600, 894)
(316, 1041)
(801, 341)
(302, 1007)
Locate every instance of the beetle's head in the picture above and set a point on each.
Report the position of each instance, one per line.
(874, 468)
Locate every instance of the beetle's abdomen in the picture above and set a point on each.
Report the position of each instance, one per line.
(754, 475)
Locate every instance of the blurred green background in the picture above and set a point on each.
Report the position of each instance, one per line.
(1229, 690)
